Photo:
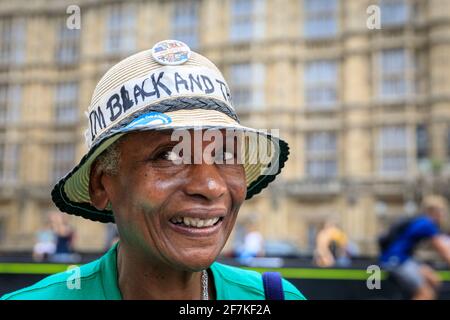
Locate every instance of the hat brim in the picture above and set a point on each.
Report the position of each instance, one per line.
(71, 193)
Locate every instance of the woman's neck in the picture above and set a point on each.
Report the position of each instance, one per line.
(138, 279)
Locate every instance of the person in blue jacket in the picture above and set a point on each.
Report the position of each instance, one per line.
(417, 280)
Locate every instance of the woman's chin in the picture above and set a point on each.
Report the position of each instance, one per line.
(197, 261)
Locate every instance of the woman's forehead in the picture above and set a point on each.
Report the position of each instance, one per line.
(149, 137)
(157, 137)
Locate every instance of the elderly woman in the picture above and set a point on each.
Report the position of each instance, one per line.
(170, 164)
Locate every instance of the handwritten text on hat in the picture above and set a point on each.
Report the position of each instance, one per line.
(164, 83)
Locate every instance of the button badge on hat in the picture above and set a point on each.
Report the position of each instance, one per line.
(171, 52)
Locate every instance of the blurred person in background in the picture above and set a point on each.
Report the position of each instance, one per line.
(253, 245)
(397, 246)
(45, 245)
(112, 236)
(331, 246)
(65, 236)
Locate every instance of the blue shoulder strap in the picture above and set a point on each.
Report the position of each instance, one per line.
(273, 286)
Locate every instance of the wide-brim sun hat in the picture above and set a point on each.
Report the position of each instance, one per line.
(168, 87)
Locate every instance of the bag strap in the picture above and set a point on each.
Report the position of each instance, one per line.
(273, 286)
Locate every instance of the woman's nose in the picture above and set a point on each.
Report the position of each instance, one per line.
(206, 181)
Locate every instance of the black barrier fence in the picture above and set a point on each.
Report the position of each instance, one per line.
(314, 283)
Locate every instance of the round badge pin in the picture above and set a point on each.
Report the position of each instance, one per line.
(171, 52)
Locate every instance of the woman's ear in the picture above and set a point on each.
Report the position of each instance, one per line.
(97, 191)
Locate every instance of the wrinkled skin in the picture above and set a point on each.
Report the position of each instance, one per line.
(149, 190)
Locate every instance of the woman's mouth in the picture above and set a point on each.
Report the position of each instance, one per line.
(189, 222)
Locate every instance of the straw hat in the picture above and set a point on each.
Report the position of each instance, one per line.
(167, 87)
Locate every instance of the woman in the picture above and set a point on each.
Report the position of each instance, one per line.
(174, 202)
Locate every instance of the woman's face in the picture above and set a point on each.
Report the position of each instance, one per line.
(176, 214)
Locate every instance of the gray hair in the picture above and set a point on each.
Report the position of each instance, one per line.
(108, 160)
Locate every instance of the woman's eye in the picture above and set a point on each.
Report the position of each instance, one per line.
(228, 155)
(168, 155)
(172, 156)
(225, 155)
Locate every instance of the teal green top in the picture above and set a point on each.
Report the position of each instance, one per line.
(98, 281)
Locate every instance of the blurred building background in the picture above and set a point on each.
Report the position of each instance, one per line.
(366, 111)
